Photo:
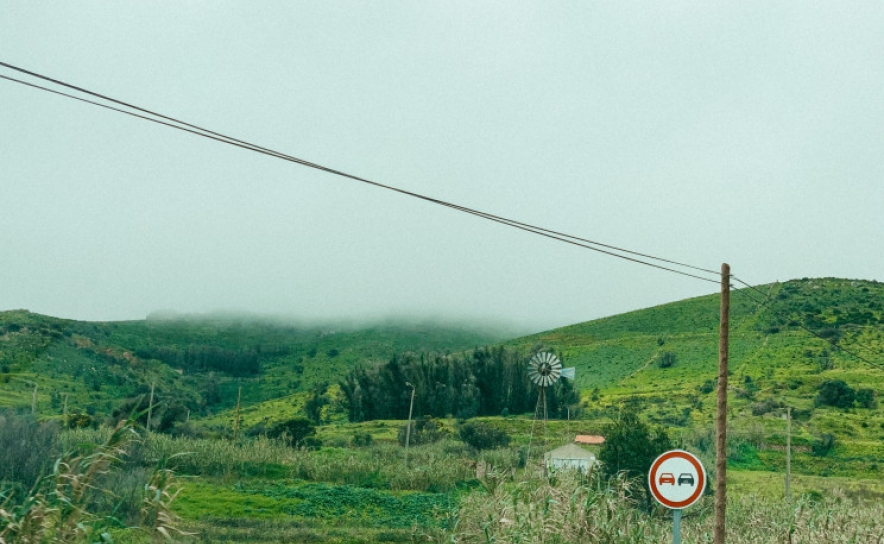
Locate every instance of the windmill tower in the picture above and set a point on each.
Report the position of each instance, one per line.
(545, 369)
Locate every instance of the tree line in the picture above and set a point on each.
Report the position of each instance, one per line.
(201, 358)
(487, 382)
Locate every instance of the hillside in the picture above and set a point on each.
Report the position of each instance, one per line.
(355, 485)
(665, 361)
(662, 360)
(197, 364)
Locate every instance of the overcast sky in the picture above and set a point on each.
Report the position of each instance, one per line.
(750, 133)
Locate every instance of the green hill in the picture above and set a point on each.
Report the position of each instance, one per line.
(197, 363)
(662, 360)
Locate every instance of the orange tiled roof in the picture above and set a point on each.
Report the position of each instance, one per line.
(589, 439)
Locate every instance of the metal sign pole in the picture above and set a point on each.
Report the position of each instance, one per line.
(676, 526)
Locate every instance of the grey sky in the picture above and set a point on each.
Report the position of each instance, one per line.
(749, 133)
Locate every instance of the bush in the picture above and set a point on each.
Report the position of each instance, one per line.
(835, 393)
(81, 421)
(362, 440)
(62, 507)
(481, 436)
(765, 406)
(423, 431)
(865, 398)
(294, 432)
(823, 445)
(630, 447)
(667, 359)
(26, 447)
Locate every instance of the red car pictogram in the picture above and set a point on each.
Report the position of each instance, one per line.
(667, 478)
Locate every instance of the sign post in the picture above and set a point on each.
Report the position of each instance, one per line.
(677, 480)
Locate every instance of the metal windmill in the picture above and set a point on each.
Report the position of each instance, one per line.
(545, 369)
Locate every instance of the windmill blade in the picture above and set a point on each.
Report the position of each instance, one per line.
(569, 372)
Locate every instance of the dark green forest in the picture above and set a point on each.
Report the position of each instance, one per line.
(486, 382)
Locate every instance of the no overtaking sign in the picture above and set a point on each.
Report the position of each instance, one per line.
(677, 479)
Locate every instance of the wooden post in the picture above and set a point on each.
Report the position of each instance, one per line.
(721, 420)
(236, 421)
(64, 411)
(150, 404)
(408, 427)
(34, 401)
(788, 453)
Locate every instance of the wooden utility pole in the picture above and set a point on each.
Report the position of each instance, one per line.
(236, 422)
(408, 427)
(64, 411)
(150, 404)
(788, 453)
(721, 420)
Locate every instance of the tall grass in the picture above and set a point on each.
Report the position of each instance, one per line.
(433, 467)
(61, 506)
(572, 507)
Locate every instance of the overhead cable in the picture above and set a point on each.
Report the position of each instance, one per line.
(172, 122)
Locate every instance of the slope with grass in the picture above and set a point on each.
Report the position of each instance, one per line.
(665, 361)
(196, 364)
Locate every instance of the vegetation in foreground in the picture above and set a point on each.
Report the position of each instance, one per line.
(263, 490)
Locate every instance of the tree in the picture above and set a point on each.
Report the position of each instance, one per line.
(836, 393)
(293, 431)
(667, 359)
(631, 447)
(865, 398)
(318, 399)
(482, 436)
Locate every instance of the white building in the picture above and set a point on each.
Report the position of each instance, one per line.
(569, 456)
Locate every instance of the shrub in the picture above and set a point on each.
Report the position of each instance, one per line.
(865, 398)
(60, 508)
(667, 359)
(708, 386)
(481, 436)
(423, 431)
(835, 393)
(80, 421)
(765, 406)
(361, 439)
(26, 446)
(294, 432)
(823, 445)
(631, 447)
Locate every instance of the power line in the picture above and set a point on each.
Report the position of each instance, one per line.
(172, 122)
(585, 243)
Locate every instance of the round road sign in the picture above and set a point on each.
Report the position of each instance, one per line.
(677, 479)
